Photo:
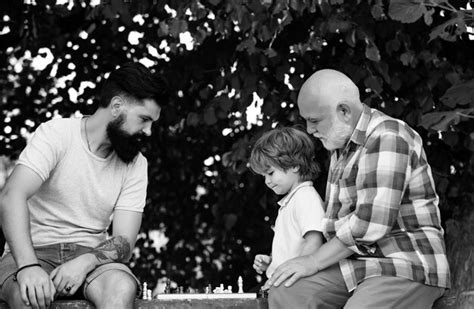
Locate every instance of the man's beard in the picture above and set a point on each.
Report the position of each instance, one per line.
(126, 146)
(338, 136)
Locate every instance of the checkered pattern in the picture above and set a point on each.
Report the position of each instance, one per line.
(382, 204)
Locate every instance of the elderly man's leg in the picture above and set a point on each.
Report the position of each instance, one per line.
(111, 286)
(393, 292)
(326, 289)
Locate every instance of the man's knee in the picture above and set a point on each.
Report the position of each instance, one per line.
(112, 287)
(10, 293)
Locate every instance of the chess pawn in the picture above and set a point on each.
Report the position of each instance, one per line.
(145, 291)
(168, 287)
(229, 289)
(240, 284)
(149, 297)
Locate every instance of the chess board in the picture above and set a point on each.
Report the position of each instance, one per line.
(205, 296)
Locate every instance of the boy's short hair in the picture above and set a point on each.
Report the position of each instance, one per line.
(285, 148)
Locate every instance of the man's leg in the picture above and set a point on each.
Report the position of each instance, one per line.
(326, 289)
(393, 293)
(111, 286)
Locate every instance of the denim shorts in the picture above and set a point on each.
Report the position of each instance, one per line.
(51, 256)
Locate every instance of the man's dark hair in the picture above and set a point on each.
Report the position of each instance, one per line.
(134, 80)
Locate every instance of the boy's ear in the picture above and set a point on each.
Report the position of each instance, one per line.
(295, 169)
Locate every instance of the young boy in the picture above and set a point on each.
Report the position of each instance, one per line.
(285, 157)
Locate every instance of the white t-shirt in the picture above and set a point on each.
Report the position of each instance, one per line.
(80, 191)
(300, 211)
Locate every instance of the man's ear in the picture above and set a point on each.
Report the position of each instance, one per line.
(344, 112)
(116, 106)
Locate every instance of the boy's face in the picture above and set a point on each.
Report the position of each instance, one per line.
(280, 181)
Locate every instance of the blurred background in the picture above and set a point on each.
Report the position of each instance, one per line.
(234, 69)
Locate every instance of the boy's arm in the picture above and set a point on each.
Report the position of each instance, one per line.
(312, 241)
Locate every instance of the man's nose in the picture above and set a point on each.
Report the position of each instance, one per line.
(147, 130)
(310, 128)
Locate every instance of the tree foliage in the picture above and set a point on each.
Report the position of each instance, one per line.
(412, 59)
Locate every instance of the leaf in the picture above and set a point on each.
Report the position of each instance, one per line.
(192, 119)
(407, 58)
(377, 11)
(230, 220)
(440, 121)
(210, 116)
(449, 30)
(374, 83)
(224, 103)
(461, 94)
(406, 11)
(372, 52)
(428, 17)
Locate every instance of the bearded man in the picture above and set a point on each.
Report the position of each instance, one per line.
(75, 177)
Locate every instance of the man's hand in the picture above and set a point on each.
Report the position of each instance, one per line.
(36, 288)
(261, 262)
(292, 270)
(68, 277)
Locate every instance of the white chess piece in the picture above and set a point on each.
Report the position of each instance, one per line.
(145, 291)
(229, 289)
(240, 284)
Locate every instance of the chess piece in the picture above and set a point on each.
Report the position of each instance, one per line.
(149, 297)
(208, 289)
(240, 284)
(229, 289)
(145, 291)
(168, 286)
(263, 293)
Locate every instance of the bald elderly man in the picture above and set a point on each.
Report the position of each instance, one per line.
(385, 246)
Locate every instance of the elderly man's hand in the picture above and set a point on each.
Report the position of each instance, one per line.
(292, 270)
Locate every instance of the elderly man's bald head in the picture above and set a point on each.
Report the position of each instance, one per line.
(329, 87)
(329, 101)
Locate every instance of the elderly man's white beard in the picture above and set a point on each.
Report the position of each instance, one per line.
(338, 136)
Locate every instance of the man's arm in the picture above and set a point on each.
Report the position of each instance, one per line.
(328, 254)
(312, 241)
(118, 248)
(126, 225)
(35, 286)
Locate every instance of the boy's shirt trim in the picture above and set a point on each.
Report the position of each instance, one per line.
(287, 198)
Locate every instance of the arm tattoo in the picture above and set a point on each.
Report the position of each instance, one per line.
(115, 249)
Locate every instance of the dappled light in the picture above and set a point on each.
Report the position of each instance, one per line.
(234, 72)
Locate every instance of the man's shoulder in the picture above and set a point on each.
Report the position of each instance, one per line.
(60, 125)
(381, 123)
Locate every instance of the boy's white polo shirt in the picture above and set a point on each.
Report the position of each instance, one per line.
(300, 211)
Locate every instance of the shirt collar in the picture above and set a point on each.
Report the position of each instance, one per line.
(359, 134)
(285, 200)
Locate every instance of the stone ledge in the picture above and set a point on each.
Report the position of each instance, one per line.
(259, 303)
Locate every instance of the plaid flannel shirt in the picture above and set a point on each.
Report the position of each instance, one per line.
(381, 202)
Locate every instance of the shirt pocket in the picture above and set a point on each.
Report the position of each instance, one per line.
(347, 196)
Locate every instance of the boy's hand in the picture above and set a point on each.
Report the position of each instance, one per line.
(261, 262)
